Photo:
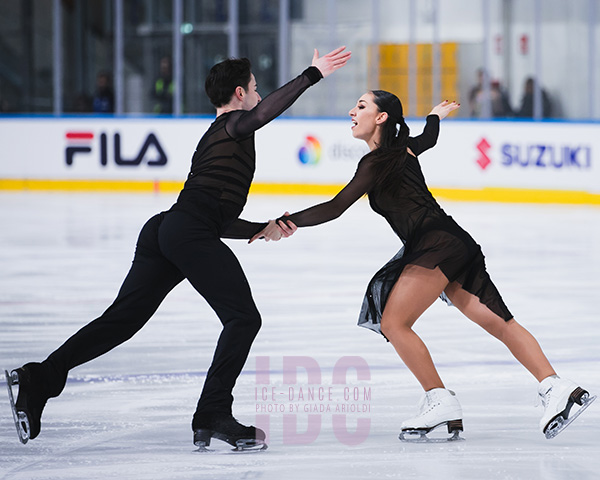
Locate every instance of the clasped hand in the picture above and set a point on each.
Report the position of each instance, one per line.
(275, 230)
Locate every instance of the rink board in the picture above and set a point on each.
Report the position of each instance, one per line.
(526, 161)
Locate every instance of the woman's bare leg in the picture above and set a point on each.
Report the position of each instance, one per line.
(414, 292)
(519, 341)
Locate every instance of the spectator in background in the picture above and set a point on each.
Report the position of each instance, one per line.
(82, 103)
(104, 98)
(475, 95)
(526, 109)
(500, 104)
(4, 106)
(162, 90)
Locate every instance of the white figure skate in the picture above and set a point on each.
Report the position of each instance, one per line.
(438, 407)
(558, 396)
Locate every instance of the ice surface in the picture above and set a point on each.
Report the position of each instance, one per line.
(127, 414)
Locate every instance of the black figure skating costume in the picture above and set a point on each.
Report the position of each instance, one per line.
(184, 243)
(431, 238)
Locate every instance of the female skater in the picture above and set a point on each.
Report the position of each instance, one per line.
(438, 258)
(185, 243)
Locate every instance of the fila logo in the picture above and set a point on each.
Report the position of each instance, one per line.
(82, 143)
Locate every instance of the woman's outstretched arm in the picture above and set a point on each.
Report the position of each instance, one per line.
(428, 138)
(330, 210)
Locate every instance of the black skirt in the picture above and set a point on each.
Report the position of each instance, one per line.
(458, 257)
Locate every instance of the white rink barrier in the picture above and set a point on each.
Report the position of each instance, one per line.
(502, 160)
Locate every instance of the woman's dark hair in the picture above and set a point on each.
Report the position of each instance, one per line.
(391, 152)
(224, 77)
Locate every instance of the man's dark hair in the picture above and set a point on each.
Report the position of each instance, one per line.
(225, 77)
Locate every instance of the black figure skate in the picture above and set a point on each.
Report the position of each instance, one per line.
(226, 428)
(34, 389)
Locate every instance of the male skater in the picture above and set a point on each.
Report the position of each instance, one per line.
(185, 243)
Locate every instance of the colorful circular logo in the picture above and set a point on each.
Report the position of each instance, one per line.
(310, 152)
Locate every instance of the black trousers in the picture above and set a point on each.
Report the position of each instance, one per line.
(173, 246)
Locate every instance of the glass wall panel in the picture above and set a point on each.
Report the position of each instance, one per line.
(259, 22)
(88, 37)
(205, 43)
(26, 56)
(148, 39)
(325, 25)
(261, 49)
(201, 52)
(554, 44)
(564, 62)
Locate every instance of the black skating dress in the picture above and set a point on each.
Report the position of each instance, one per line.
(431, 238)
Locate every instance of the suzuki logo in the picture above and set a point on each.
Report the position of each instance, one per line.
(483, 161)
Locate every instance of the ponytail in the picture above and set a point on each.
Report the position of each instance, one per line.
(390, 154)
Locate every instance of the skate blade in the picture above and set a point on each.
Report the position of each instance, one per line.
(250, 446)
(560, 423)
(420, 435)
(203, 438)
(412, 436)
(222, 447)
(20, 419)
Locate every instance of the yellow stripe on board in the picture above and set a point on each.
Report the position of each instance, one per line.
(294, 189)
(124, 186)
(488, 194)
(517, 195)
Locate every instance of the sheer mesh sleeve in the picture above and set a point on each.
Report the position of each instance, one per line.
(242, 229)
(242, 123)
(428, 138)
(327, 211)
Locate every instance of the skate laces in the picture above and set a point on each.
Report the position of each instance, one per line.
(430, 399)
(542, 398)
(424, 402)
